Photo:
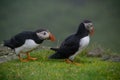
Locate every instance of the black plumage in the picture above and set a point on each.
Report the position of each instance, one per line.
(19, 39)
(71, 44)
(27, 41)
(67, 48)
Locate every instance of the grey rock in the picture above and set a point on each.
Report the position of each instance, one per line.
(6, 54)
(105, 57)
(97, 52)
(114, 58)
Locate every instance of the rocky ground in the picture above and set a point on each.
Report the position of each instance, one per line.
(6, 54)
(99, 52)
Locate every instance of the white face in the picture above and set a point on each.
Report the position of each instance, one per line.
(88, 26)
(43, 34)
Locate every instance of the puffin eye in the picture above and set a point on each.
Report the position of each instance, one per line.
(44, 33)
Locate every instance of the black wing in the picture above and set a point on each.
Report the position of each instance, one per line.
(68, 47)
(18, 40)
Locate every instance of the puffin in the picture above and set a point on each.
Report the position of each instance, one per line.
(27, 41)
(75, 43)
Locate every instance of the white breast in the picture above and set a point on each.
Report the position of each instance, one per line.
(28, 46)
(82, 44)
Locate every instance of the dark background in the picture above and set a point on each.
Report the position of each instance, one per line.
(62, 18)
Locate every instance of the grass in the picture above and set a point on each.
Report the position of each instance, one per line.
(44, 69)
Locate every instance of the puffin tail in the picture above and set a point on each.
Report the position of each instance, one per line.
(8, 44)
(54, 49)
(56, 56)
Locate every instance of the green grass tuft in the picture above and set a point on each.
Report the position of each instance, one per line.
(44, 69)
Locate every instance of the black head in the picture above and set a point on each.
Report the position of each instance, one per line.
(44, 34)
(85, 28)
(87, 21)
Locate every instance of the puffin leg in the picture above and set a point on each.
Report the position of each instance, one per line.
(68, 61)
(29, 57)
(76, 63)
(22, 60)
(71, 62)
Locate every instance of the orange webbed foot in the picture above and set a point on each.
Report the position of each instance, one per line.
(21, 59)
(24, 60)
(31, 58)
(68, 61)
(71, 62)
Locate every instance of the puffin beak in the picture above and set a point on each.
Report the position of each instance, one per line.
(92, 31)
(51, 37)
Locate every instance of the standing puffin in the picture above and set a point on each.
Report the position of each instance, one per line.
(27, 41)
(75, 43)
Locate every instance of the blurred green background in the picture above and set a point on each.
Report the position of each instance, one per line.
(62, 18)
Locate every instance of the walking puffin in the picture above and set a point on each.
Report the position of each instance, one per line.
(27, 41)
(74, 43)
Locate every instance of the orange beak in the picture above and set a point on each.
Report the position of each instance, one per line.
(92, 31)
(51, 37)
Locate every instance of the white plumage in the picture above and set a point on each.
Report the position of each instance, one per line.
(28, 46)
(82, 44)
